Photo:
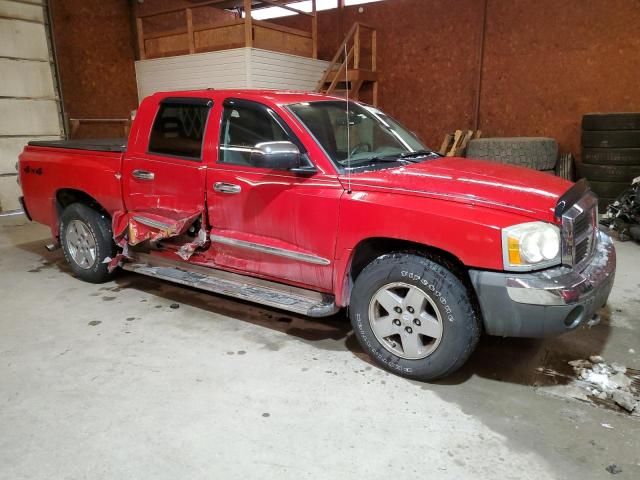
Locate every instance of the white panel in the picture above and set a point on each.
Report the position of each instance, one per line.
(223, 69)
(282, 71)
(9, 193)
(29, 117)
(237, 68)
(24, 78)
(24, 11)
(11, 147)
(23, 40)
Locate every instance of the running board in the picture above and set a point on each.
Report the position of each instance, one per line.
(272, 294)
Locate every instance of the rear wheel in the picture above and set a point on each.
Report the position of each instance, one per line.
(413, 316)
(86, 241)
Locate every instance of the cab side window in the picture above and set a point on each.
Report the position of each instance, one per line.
(243, 127)
(178, 129)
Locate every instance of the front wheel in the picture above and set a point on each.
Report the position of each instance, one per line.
(86, 241)
(413, 316)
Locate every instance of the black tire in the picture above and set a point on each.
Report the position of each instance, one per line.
(611, 156)
(99, 227)
(530, 152)
(565, 168)
(611, 121)
(608, 173)
(608, 189)
(611, 139)
(455, 307)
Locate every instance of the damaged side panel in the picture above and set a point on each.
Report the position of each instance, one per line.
(130, 229)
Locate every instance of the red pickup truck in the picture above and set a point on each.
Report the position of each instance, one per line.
(310, 203)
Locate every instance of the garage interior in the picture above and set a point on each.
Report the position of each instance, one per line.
(140, 378)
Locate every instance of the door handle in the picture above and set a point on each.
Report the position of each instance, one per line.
(143, 175)
(223, 187)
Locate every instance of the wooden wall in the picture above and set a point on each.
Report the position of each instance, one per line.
(545, 64)
(95, 48)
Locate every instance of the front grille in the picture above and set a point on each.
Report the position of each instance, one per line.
(579, 227)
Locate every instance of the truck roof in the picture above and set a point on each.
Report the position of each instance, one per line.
(279, 97)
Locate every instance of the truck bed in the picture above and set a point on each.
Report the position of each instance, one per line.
(96, 145)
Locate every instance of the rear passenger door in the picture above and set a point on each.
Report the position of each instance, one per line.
(164, 176)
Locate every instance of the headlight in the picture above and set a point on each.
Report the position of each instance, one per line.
(530, 246)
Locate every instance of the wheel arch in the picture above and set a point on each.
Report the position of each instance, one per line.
(369, 249)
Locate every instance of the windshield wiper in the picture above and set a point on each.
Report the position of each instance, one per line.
(409, 157)
(418, 153)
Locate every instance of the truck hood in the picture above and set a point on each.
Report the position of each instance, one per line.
(476, 182)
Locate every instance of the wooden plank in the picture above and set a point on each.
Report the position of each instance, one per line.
(141, 49)
(445, 144)
(277, 41)
(167, 46)
(314, 29)
(189, 14)
(456, 141)
(282, 28)
(248, 28)
(219, 38)
(465, 141)
(199, 28)
(374, 49)
(166, 33)
(356, 45)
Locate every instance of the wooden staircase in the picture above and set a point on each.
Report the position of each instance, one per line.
(353, 68)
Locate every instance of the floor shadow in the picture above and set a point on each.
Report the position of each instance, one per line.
(531, 361)
(521, 361)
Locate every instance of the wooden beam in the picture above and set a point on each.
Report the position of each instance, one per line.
(192, 46)
(248, 28)
(314, 29)
(356, 48)
(374, 50)
(140, 39)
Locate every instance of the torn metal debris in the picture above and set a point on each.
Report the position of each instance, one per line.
(623, 215)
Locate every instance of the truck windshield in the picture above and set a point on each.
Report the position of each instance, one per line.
(359, 136)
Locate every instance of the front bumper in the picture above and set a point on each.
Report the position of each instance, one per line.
(548, 302)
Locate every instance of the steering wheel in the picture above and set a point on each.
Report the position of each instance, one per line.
(361, 147)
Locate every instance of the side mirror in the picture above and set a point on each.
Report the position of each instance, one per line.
(276, 155)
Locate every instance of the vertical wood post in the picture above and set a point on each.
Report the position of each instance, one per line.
(374, 50)
(314, 29)
(356, 48)
(192, 45)
(140, 39)
(248, 27)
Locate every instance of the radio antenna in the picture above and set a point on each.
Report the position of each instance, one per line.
(346, 84)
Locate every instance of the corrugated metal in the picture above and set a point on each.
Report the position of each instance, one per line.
(28, 99)
(236, 68)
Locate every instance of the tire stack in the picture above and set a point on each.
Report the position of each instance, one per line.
(531, 152)
(610, 153)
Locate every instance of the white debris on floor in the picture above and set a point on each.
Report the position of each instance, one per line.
(607, 381)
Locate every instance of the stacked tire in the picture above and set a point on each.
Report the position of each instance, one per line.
(610, 153)
(538, 153)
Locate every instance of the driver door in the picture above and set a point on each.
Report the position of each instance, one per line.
(267, 221)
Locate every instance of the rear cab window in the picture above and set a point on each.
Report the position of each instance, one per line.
(179, 126)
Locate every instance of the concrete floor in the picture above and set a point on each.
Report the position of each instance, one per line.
(107, 381)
